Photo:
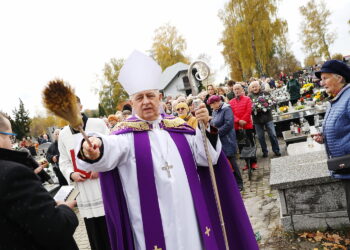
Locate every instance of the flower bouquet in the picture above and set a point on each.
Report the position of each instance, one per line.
(283, 109)
(320, 95)
(263, 103)
(280, 84)
(280, 95)
(307, 89)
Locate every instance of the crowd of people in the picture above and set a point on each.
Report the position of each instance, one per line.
(230, 110)
(139, 186)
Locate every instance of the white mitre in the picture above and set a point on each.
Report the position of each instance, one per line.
(140, 72)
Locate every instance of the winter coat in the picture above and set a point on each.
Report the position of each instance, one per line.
(272, 84)
(336, 127)
(230, 95)
(242, 110)
(293, 88)
(207, 105)
(51, 152)
(223, 119)
(261, 117)
(191, 120)
(29, 217)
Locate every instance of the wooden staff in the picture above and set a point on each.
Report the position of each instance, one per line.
(204, 67)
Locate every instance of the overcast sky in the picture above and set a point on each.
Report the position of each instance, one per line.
(73, 39)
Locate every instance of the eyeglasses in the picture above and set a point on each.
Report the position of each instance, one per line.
(12, 135)
(182, 109)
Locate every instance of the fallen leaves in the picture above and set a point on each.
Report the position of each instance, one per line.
(334, 246)
(319, 236)
(331, 241)
(347, 242)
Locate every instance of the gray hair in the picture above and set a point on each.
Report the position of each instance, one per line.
(336, 76)
(57, 131)
(252, 84)
(238, 85)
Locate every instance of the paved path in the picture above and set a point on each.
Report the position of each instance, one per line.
(261, 202)
(80, 234)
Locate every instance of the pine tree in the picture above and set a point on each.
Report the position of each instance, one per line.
(21, 122)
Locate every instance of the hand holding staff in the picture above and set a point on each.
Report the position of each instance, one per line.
(203, 68)
(92, 152)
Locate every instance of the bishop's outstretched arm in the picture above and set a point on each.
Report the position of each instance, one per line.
(113, 150)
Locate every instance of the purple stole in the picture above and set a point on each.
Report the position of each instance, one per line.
(240, 233)
(152, 222)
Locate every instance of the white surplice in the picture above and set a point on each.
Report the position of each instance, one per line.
(89, 200)
(174, 196)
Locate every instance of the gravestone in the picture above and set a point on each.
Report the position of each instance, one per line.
(310, 199)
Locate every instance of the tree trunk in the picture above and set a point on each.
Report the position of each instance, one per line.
(256, 58)
(325, 45)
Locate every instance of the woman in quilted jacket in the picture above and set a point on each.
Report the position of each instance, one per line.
(335, 78)
(222, 119)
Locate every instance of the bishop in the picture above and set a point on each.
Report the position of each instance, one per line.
(145, 208)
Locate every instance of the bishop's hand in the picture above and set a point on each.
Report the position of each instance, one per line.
(92, 153)
(202, 114)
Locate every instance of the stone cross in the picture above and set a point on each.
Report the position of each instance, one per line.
(167, 168)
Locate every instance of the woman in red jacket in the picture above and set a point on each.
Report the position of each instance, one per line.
(242, 109)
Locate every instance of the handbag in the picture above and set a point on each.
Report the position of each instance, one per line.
(248, 150)
(242, 138)
(340, 165)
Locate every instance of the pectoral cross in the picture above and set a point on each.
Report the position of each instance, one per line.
(167, 168)
(156, 248)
